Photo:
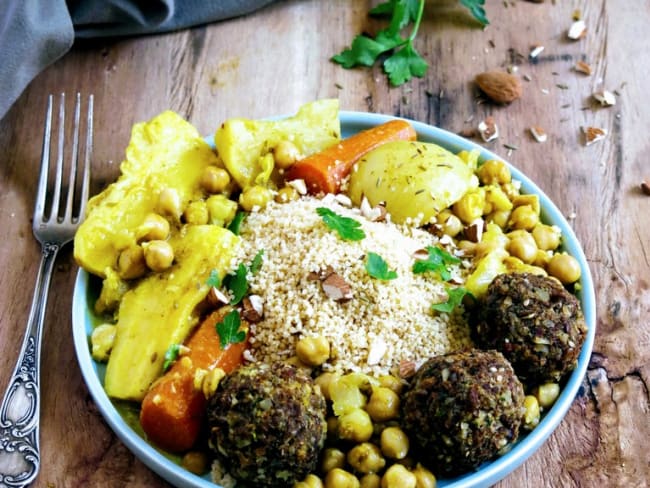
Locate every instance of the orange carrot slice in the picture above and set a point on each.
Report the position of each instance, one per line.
(324, 171)
(173, 411)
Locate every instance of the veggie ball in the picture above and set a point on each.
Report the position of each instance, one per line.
(462, 409)
(268, 424)
(535, 322)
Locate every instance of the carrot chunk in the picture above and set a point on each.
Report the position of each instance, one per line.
(173, 410)
(324, 171)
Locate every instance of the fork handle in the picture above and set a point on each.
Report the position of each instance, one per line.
(20, 410)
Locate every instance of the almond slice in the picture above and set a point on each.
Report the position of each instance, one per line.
(582, 67)
(577, 30)
(488, 129)
(606, 98)
(536, 51)
(336, 288)
(593, 135)
(538, 133)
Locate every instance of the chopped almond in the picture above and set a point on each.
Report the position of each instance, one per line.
(582, 67)
(488, 129)
(577, 30)
(538, 133)
(605, 98)
(336, 288)
(593, 135)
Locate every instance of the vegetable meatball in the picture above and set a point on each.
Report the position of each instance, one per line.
(268, 424)
(462, 409)
(535, 322)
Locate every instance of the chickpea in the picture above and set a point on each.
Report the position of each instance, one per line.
(285, 154)
(564, 267)
(196, 213)
(394, 443)
(214, 179)
(398, 476)
(391, 382)
(313, 351)
(532, 200)
(366, 458)
(451, 225)
(542, 258)
(532, 415)
(383, 404)
(332, 458)
(255, 197)
(158, 255)
(287, 194)
(153, 227)
(423, 477)
(310, 481)
(339, 478)
(494, 172)
(470, 206)
(523, 248)
(324, 380)
(169, 203)
(497, 199)
(546, 394)
(196, 462)
(102, 340)
(131, 263)
(523, 217)
(370, 480)
(355, 425)
(547, 237)
(499, 217)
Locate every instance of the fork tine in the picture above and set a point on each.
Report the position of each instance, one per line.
(59, 161)
(85, 182)
(74, 161)
(41, 191)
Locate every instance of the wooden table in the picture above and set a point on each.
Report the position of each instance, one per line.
(272, 61)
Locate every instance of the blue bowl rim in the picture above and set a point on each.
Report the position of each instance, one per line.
(487, 474)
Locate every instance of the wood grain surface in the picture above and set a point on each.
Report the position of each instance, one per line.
(275, 59)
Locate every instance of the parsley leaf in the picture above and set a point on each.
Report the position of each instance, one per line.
(454, 298)
(364, 51)
(256, 264)
(237, 283)
(476, 9)
(404, 65)
(347, 228)
(378, 268)
(228, 330)
(236, 222)
(437, 262)
(171, 355)
(214, 280)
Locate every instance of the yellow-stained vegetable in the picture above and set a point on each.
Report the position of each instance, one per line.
(161, 310)
(415, 180)
(221, 210)
(113, 289)
(491, 263)
(164, 153)
(243, 143)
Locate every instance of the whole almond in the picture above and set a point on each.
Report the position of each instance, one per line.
(499, 86)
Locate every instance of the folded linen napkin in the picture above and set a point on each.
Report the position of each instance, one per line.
(35, 33)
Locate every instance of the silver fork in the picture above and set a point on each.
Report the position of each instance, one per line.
(20, 410)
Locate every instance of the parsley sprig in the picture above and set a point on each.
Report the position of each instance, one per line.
(454, 298)
(378, 268)
(347, 228)
(436, 262)
(171, 355)
(237, 282)
(403, 61)
(228, 330)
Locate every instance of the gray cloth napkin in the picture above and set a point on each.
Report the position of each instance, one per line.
(35, 33)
